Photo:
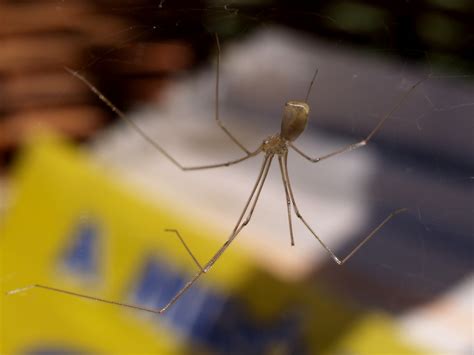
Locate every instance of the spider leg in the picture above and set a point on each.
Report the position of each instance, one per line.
(338, 260)
(76, 294)
(185, 246)
(241, 223)
(366, 140)
(229, 163)
(311, 85)
(288, 200)
(216, 108)
(151, 141)
(237, 229)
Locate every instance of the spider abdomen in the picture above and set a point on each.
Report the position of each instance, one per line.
(295, 117)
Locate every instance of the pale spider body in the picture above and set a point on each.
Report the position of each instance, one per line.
(294, 121)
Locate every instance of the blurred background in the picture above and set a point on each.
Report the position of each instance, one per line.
(86, 210)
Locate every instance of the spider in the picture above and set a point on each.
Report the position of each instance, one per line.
(295, 118)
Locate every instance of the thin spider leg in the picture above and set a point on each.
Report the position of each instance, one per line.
(372, 233)
(229, 163)
(311, 85)
(298, 214)
(76, 294)
(237, 229)
(147, 138)
(202, 270)
(288, 200)
(331, 253)
(185, 246)
(366, 140)
(216, 108)
(254, 204)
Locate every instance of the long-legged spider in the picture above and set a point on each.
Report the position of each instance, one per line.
(295, 117)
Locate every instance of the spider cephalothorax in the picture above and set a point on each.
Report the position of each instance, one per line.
(275, 145)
